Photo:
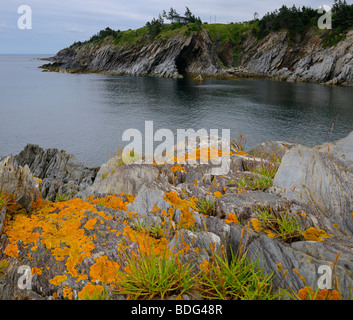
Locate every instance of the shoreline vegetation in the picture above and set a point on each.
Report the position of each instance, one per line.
(284, 45)
(177, 232)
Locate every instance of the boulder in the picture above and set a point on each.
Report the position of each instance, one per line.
(112, 178)
(19, 181)
(61, 173)
(322, 180)
(270, 148)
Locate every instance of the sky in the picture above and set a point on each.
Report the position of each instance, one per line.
(56, 24)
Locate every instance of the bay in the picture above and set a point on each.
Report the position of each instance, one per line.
(86, 114)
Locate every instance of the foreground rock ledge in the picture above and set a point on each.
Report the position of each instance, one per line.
(81, 240)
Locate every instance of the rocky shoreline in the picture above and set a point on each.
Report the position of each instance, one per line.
(73, 226)
(196, 54)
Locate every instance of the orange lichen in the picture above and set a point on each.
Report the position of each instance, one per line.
(177, 168)
(187, 219)
(155, 209)
(232, 218)
(11, 250)
(217, 194)
(205, 266)
(257, 225)
(110, 201)
(270, 233)
(36, 270)
(104, 270)
(89, 225)
(147, 244)
(323, 294)
(59, 228)
(90, 290)
(313, 234)
(58, 280)
(67, 293)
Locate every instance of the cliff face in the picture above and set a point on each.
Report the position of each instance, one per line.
(307, 59)
(168, 57)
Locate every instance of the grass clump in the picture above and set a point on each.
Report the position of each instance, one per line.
(149, 276)
(3, 199)
(3, 267)
(206, 206)
(278, 224)
(239, 279)
(154, 231)
(94, 292)
(255, 182)
(61, 197)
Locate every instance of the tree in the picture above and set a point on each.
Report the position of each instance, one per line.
(155, 26)
(171, 14)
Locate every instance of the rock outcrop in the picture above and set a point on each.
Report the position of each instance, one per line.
(306, 60)
(18, 181)
(322, 180)
(74, 245)
(169, 57)
(60, 172)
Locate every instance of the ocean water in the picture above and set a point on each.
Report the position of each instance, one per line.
(86, 114)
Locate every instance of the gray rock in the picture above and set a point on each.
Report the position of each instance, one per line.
(129, 179)
(95, 241)
(269, 148)
(201, 246)
(244, 204)
(60, 172)
(322, 181)
(167, 57)
(2, 217)
(19, 181)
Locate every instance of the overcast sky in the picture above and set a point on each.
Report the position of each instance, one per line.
(56, 24)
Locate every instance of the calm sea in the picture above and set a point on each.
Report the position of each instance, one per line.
(86, 114)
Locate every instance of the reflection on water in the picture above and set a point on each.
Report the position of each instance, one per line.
(86, 114)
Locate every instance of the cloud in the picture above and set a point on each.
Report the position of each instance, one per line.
(4, 27)
(77, 20)
(75, 30)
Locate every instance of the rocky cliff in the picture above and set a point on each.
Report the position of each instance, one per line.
(308, 59)
(167, 57)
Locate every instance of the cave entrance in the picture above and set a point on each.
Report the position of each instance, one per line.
(186, 58)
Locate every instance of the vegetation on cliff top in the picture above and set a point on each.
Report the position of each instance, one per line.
(296, 21)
